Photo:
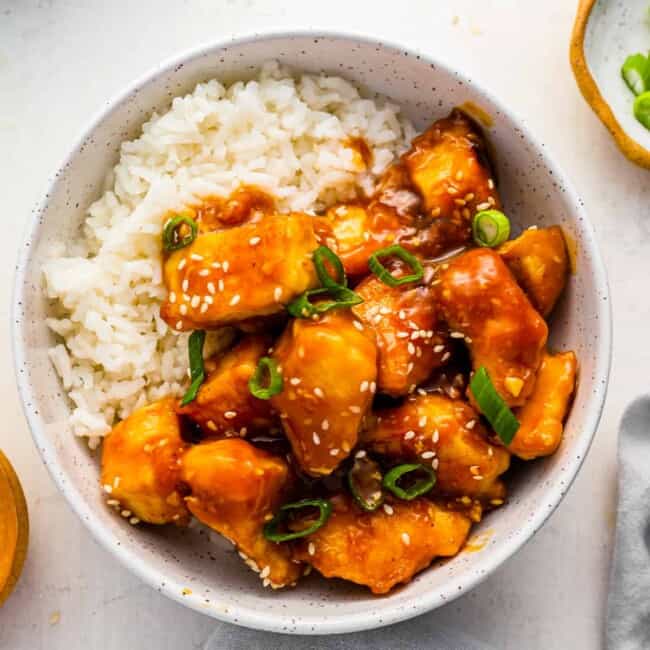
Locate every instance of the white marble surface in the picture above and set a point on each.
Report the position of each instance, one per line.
(61, 59)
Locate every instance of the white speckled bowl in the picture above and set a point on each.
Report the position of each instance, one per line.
(605, 33)
(534, 190)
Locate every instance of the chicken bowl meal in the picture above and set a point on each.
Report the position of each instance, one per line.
(296, 319)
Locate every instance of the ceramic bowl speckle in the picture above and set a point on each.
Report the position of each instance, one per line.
(605, 33)
(190, 565)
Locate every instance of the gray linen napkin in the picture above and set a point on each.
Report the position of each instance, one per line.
(628, 618)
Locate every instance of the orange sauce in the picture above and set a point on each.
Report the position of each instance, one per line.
(361, 148)
(572, 250)
(477, 112)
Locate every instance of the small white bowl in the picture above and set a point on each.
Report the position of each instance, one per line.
(186, 565)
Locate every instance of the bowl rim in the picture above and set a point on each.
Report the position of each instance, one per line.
(631, 149)
(383, 613)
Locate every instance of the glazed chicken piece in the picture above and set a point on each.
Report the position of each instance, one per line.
(541, 418)
(481, 302)
(381, 550)
(234, 488)
(404, 320)
(224, 404)
(228, 276)
(539, 261)
(140, 465)
(446, 433)
(329, 368)
(426, 202)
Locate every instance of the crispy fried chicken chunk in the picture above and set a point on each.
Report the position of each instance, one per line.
(329, 368)
(235, 488)
(541, 418)
(482, 302)
(140, 464)
(380, 550)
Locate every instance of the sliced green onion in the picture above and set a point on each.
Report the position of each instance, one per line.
(272, 530)
(642, 109)
(364, 480)
(636, 73)
(302, 307)
(385, 275)
(172, 238)
(197, 370)
(496, 411)
(266, 365)
(490, 228)
(421, 485)
(322, 255)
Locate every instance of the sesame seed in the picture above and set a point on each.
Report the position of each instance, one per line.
(402, 314)
(409, 368)
(436, 436)
(355, 409)
(490, 451)
(220, 284)
(266, 582)
(172, 297)
(311, 549)
(474, 469)
(438, 348)
(468, 340)
(216, 265)
(196, 257)
(478, 477)
(211, 425)
(194, 303)
(373, 386)
(325, 425)
(384, 310)
(134, 521)
(277, 293)
(204, 272)
(415, 336)
(422, 421)
(183, 309)
(229, 415)
(411, 348)
(434, 463)
(294, 381)
(402, 335)
(334, 452)
(179, 324)
(358, 325)
(457, 335)
(490, 183)
(265, 572)
(470, 424)
(225, 266)
(406, 539)
(112, 502)
(211, 288)
(445, 356)
(186, 285)
(204, 307)
(482, 206)
(409, 435)
(208, 300)
(376, 319)
(235, 299)
(108, 488)
(360, 454)
(254, 241)
(181, 264)
(388, 509)
(315, 438)
(126, 513)
(428, 454)
(364, 386)
(319, 392)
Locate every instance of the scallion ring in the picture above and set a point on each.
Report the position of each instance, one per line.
(493, 407)
(173, 240)
(642, 109)
(272, 530)
(416, 489)
(197, 369)
(636, 73)
(385, 275)
(302, 307)
(322, 255)
(364, 481)
(490, 228)
(266, 365)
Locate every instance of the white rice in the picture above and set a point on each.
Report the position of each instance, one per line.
(281, 132)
